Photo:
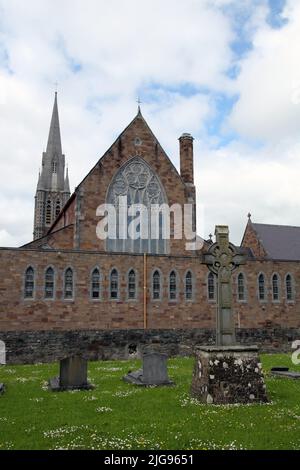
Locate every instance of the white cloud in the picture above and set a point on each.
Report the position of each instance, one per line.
(233, 181)
(269, 82)
(119, 50)
(121, 47)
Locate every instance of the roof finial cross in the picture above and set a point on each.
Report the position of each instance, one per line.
(56, 86)
(139, 102)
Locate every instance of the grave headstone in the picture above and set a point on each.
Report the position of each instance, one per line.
(2, 389)
(2, 353)
(153, 372)
(72, 375)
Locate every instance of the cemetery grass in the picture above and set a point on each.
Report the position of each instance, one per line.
(116, 415)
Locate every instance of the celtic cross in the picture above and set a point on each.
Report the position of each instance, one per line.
(222, 259)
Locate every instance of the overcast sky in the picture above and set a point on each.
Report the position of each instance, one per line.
(226, 71)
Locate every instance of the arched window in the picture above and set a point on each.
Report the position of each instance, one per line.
(131, 284)
(49, 283)
(211, 292)
(275, 287)
(172, 286)
(136, 230)
(48, 212)
(289, 287)
(188, 286)
(114, 284)
(57, 208)
(69, 284)
(261, 287)
(29, 283)
(156, 289)
(54, 167)
(95, 284)
(241, 287)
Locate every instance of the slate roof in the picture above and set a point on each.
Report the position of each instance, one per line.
(281, 242)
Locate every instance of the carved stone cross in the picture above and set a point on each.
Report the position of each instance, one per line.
(222, 259)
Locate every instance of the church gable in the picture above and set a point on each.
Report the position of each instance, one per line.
(251, 240)
(136, 144)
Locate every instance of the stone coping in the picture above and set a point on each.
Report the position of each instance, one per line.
(224, 349)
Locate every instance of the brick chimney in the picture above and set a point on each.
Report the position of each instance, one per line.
(186, 158)
(187, 171)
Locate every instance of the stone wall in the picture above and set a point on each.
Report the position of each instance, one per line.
(48, 346)
(82, 312)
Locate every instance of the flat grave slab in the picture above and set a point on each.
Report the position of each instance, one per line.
(284, 372)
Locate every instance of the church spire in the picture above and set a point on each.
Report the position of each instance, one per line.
(67, 184)
(53, 165)
(54, 139)
(39, 181)
(53, 189)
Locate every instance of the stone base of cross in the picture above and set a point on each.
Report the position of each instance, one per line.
(227, 375)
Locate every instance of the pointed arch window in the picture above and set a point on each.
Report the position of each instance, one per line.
(131, 285)
(289, 287)
(114, 284)
(69, 284)
(188, 286)
(49, 283)
(211, 291)
(29, 283)
(57, 207)
(241, 287)
(95, 284)
(54, 167)
(172, 286)
(134, 190)
(48, 212)
(261, 287)
(156, 287)
(275, 287)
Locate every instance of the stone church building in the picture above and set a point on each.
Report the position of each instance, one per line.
(69, 290)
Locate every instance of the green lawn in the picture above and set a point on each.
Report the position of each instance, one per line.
(117, 415)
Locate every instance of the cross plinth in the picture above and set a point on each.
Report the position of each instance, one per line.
(222, 259)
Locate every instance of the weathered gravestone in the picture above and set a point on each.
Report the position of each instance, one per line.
(227, 372)
(2, 362)
(153, 372)
(2, 353)
(72, 375)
